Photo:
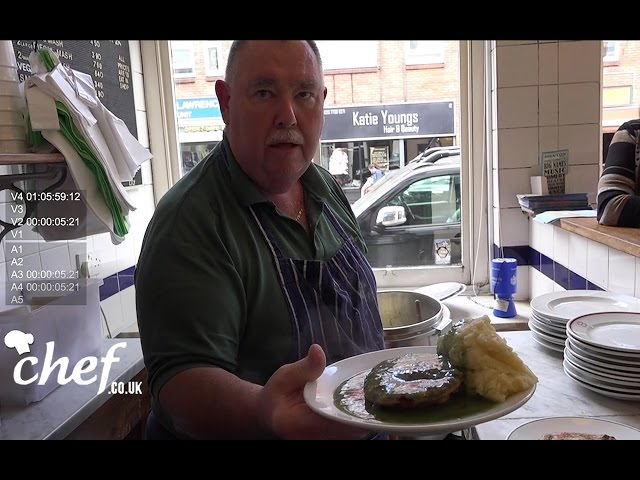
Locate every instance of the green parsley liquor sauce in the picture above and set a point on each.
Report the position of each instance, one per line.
(349, 398)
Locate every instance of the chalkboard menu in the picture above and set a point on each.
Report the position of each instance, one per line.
(107, 61)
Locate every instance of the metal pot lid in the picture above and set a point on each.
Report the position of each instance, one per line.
(442, 291)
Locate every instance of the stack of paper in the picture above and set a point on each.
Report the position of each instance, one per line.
(534, 203)
(553, 215)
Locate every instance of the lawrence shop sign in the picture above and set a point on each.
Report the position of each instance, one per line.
(384, 121)
(200, 107)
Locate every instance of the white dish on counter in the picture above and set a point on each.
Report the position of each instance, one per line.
(536, 429)
(545, 343)
(607, 392)
(593, 359)
(615, 331)
(569, 304)
(607, 356)
(319, 395)
(602, 371)
(545, 324)
(442, 291)
(546, 334)
(622, 386)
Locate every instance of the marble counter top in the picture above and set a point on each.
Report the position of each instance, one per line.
(64, 409)
(624, 239)
(556, 394)
(470, 306)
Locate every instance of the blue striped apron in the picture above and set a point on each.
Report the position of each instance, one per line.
(332, 303)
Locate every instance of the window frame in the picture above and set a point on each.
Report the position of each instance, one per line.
(430, 52)
(474, 111)
(475, 92)
(351, 57)
(208, 71)
(615, 56)
(628, 102)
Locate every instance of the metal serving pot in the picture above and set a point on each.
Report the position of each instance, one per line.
(410, 318)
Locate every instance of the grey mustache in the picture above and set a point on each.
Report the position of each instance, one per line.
(286, 136)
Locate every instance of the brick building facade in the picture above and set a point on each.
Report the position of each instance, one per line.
(389, 84)
(390, 81)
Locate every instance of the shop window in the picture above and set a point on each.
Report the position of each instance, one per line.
(348, 54)
(611, 51)
(182, 59)
(617, 96)
(434, 203)
(213, 60)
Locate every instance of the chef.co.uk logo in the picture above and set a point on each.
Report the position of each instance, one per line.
(85, 366)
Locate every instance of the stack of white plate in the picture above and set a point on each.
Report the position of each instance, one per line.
(550, 312)
(602, 353)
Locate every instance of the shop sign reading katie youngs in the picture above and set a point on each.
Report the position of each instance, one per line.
(401, 120)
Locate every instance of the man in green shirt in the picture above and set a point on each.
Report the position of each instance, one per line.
(252, 275)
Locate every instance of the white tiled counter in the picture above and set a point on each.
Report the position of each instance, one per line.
(578, 254)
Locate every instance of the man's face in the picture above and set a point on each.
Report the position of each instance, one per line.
(273, 110)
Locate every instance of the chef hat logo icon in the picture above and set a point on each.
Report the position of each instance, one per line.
(18, 340)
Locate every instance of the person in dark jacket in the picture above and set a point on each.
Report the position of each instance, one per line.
(619, 184)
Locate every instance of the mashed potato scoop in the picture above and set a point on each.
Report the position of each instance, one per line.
(491, 368)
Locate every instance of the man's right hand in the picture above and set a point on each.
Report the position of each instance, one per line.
(286, 414)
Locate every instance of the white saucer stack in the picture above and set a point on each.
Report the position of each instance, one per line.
(602, 353)
(13, 132)
(550, 312)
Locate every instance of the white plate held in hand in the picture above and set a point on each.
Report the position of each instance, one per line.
(443, 418)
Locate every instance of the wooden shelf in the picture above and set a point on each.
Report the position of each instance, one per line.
(30, 158)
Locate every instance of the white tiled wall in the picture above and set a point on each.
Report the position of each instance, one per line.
(540, 284)
(522, 279)
(513, 226)
(561, 247)
(621, 272)
(36, 253)
(548, 63)
(598, 264)
(522, 140)
(572, 67)
(541, 237)
(546, 97)
(604, 266)
(637, 286)
(577, 255)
